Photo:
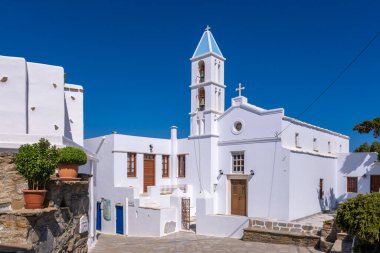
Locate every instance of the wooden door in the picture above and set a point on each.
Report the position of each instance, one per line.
(148, 171)
(239, 197)
(375, 183)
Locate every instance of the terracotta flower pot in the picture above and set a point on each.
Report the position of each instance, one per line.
(34, 199)
(68, 171)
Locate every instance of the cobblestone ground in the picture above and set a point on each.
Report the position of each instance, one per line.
(188, 242)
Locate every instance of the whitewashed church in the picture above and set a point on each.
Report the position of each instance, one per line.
(238, 161)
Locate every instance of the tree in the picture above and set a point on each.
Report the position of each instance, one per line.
(363, 148)
(375, 147)
(369, 125)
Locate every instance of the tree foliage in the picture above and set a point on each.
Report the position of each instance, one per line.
(71, 155)
(368, 126)
(360, 216)
(375, 147)
(363, 148)
(36, 163)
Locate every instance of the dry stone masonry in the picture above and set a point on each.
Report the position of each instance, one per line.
(52, 229)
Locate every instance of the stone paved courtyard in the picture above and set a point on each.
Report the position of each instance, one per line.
(188, 242)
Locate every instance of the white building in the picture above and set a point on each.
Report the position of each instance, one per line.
(35, 103)
(239, 162)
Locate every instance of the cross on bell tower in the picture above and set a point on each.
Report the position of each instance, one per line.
(240, 89)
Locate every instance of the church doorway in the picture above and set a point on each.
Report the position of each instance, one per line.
(149, 171)
(239, 197)
(375, 183)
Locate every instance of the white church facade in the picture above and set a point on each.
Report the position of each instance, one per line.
(237, 162)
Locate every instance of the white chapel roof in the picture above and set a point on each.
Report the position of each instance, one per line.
(207, 44)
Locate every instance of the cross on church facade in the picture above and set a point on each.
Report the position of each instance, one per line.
(208, 28)
(239, 89)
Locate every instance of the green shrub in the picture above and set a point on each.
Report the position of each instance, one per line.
(360, 217)
(70, 155)
(36, 163)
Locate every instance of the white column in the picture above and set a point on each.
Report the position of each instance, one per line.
(173, 156)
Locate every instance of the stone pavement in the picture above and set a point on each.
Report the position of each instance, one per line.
(188, 242)
(316, 219)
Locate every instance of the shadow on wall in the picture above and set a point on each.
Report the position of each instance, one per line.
(356, 160)
(328, 202)
(68, 133)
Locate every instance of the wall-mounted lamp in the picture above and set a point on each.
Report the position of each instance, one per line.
(220, 172)
(4, 79)
(252, 172)
(54, 85)
(151, 148)
(364, 176)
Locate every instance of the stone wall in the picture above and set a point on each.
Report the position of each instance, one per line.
(284, 226)
(11, 184)
(52, 229)
(280, 237)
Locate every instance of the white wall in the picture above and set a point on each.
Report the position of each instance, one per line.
(47, 99)
(217, 225)
(140, 145)
(13, 95)
(360, 165)
(151, 222)
(305, 171)
(307, 133)
(74, 113)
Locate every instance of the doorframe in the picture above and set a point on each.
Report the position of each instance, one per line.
(154, 169)
(229, 191)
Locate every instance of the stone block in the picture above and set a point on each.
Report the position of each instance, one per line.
(259, 222)
(281, 224)
(269, 225)
(296, 230)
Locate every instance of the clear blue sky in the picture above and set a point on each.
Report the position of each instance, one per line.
(132, 57)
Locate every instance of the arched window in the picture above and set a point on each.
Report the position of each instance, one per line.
(201, 99)
(201, 68)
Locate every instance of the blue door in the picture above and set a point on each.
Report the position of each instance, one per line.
(119, 220)
(98, 216)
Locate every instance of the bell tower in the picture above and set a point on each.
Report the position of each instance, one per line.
(207, 86)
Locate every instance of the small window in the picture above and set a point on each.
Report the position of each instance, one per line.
(201, 68)
(329, 146)
(165, 166)
(321, 192)
(315, 145)
(352, 184)
(131, 167)
(297, 140)
(238, 162)
(201, 99)
(181, 166)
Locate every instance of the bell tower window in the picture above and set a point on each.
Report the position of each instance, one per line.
(201, 68)
(201, 99)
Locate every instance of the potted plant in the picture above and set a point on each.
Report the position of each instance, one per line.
(70, 159)
(36, 163)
